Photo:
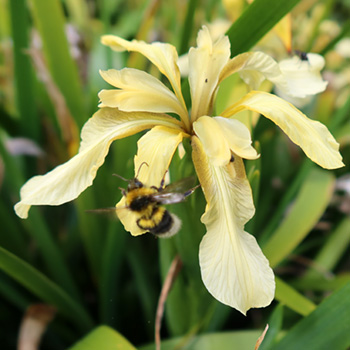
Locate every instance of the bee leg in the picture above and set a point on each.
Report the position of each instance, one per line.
(123, 191)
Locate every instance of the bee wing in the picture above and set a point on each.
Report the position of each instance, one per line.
(180, 186)
(169, 198)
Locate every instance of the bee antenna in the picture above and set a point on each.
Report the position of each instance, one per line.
(121, 177)
(138, 171)
(163, 180)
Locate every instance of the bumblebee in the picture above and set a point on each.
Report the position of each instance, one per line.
(148, 203)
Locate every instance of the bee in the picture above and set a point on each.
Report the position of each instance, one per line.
(148, 203)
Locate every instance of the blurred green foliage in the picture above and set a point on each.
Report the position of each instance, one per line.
(88, 267)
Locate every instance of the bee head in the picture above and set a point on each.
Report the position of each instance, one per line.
(134, 184)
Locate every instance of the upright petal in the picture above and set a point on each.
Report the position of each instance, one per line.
(254, 68)
(233, 267)
(221, 136)
(138, 91)
(163, 56)
(312, 136)
(292, 77)
(67, 181)
(205, 64)
(156, 149)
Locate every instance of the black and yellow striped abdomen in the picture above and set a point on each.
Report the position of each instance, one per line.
(160, 221)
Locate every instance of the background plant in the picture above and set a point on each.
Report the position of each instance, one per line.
(92, 271)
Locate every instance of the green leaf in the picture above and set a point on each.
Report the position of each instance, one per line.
(283, 204)
(79, 13)
(187, 26)
(178, 301)
(49, 19)
(11, 293)
(45, 289)
(321, 283)
(328, 327)
(39, 231)
(339, 120)
(103, 338)
(24, 81)
(140, 273)
(332, 251)
(307, 209)
(111, 268)
(255, 22)
(275, 326)
(293, 299)
(212, 341)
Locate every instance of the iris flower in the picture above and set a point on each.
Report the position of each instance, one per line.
(233, 267)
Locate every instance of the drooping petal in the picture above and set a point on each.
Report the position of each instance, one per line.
(254, 68)
(205, 64)
(139, 91)
(233, 267)
(67, 181)
(303, 76)
(219, 136)
(156, 149)
(163, 56)
(312, 136)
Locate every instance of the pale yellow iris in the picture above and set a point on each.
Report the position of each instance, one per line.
(233, 267)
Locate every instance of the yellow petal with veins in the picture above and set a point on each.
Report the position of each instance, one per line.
(68, 180)
(233, 267)
(156, 149)
(238, 137)
(215, 145)
(254, 68)
(312, 136)
(163, 56)
(205, 64)
(138, 91)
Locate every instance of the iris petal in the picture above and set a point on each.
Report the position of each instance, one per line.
(238, 137)
(220, 136)
(205, 64)
(156, 148)
(215, 145)
(163, 56)
(67, 181)
(254, 68)
(312, 136)
(139, 91)
(233, 267)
